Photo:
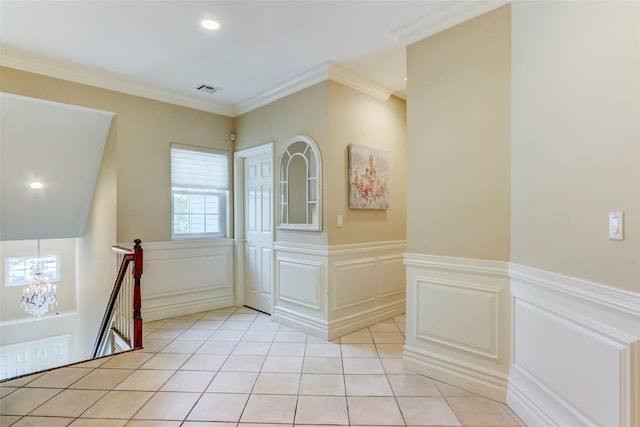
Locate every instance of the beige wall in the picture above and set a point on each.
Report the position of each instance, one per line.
(576, 138)
(304, 112)
(145, 131)
(458, 140)
(356, 118)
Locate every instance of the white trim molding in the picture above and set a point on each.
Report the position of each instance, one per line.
(458, 322)
(576, 351)
(330, 291)
(450, 14)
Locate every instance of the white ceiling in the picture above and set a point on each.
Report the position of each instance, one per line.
(159, 47)
(36, 138)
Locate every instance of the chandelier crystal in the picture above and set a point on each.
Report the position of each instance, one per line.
(38, 296)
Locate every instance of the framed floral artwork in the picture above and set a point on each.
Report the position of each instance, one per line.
(368, 178)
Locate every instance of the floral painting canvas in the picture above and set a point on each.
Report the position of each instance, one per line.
(368, 178)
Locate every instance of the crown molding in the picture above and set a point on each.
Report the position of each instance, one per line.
(326, 71)
(452, 13)
(286, 88)
(323, 72)
(106, 81)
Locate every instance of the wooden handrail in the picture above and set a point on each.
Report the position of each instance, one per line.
(128, 256)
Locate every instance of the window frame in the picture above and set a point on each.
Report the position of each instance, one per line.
(8, 283)
(221, 194)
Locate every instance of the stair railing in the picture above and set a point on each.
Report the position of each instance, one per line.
(122, 316)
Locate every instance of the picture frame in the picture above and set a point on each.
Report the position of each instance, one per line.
(368, 178)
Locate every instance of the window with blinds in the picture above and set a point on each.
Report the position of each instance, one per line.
(199, 190)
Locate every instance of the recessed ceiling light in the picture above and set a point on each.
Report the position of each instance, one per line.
(36, 185)
(209, 24)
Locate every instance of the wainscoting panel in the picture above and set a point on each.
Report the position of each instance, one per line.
(300, 282)
(576, 351)
(357, 282)
(185, 277)
(330, 291)
(458, 322)
(32, 356)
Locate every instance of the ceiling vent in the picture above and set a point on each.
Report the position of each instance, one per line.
(208, 88)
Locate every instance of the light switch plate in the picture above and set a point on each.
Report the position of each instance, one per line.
(616, 225)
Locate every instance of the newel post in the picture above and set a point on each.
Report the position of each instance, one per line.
(137, 300)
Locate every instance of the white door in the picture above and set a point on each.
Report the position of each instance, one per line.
(258, 232)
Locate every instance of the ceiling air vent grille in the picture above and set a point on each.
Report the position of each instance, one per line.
(208, 88)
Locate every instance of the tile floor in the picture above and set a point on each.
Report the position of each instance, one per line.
(234, 367)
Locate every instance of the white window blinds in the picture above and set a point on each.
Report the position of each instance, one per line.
(198, 169)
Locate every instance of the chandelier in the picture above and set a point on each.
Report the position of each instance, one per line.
(38, 296)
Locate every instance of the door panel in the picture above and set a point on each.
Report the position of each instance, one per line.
(258, 227)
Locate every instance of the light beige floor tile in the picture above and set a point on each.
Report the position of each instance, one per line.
(402, 326)
(176, 323)
(153, 345)
(328, 410)
(479, 411)
(22, 381)
(388, 337)
(149, 326)
(390, 350)
(287, 349)
(252, 348)
(219, 407)
(204, 362)
(195, 334)
(387, 326)
(211, 424)
(235, 325)
(170, 361)
(370, 411)
(449, 390)
(367, 385)
(217, 347)
(149, 423)
(362, 365)
(286, 364)
(7, 420)
(194, 316)
(322, 365)
(97, 422)
(277, 383)
(193, 381)
(289, 336)
(149, 380)
(322, 385)
(323, 350)
(25, 400)
(215, 315)
(118, 404)
(233, 382)
(264, 325)
(358, 337)
(227, 336)
(165, 334)
(208, 324)
(60, 378)
(259, 336)
(269, 409)
(413, 385)
(393, 365)
(95, 363)
(131, 360)
(402, 318)
(183, 346)
(43, 422)
(243, 363)
(168, 406)
(427, 411)
(359, 350)
(69, 403)
(102, 379)
(5, 391)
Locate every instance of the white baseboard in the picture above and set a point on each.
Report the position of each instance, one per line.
(486, 382)
(346, 325)
(301, 322)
